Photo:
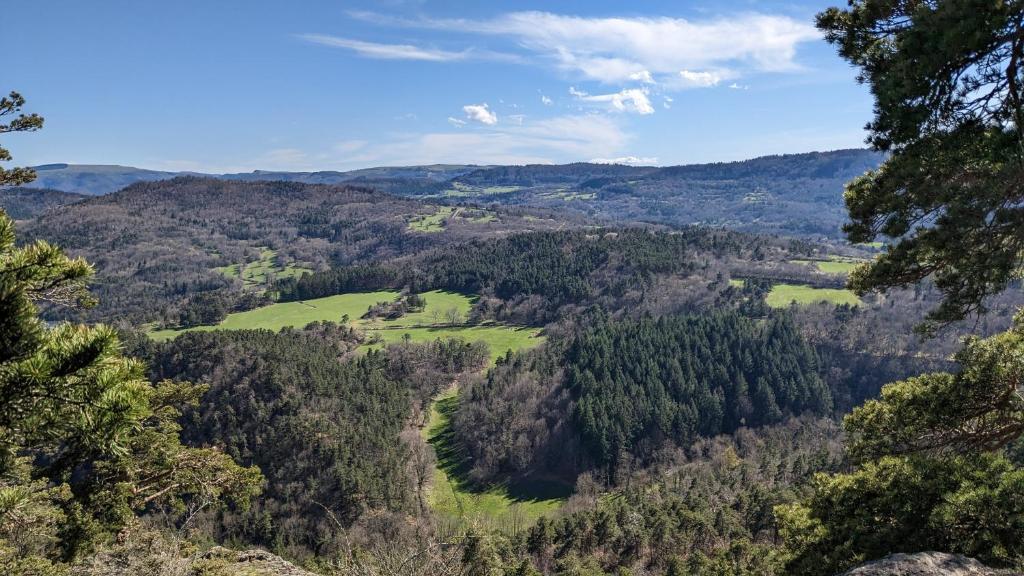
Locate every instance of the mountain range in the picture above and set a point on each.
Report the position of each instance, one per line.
(792, 194)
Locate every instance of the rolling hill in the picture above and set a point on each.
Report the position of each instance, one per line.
(793, 194)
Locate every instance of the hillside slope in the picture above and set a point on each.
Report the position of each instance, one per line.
(793, 194)
(159, 246)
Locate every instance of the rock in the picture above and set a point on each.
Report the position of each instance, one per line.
(220, 561)
(926, 564)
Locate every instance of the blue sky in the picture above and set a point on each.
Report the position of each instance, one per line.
(239, 85)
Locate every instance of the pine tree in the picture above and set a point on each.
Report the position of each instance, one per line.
(86, 442)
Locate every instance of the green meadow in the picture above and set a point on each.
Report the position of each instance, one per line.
(834, 265)
(499, 338)
(782, 295)
(257, 274)
(431, 222)
(509, 507)
(296, 314)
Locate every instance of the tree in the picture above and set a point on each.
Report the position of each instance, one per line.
(105, 440)
(967, 504)
(977, 409)
(9, 106)
(86, 442)
(947, 81)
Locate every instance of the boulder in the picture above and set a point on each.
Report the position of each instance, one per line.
(926, 564)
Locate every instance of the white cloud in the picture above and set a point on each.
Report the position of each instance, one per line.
(551, 140)
(560, 139)
(700, 79)
(456, 122)
(387, 51)
(615, 50)
(632, 160)
(516, 119)
(546, 101)
(736, 86)
(480, 113)
(666, 102)
(643, 76)
(627, 100)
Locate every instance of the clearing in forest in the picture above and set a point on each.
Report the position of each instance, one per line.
(783, 294)
(260, 273)
(457, 502)
(509, 508)
(841, 265)
(431, 222)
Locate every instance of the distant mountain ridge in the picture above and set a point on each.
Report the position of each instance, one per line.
(100, 179)
(791, 194)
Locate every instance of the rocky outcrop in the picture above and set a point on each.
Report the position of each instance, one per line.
(223, 562)
(926, 564)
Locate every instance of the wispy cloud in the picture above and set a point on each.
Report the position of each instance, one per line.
(615, 50)
(544, 141)
(386, 51)
(480, 113)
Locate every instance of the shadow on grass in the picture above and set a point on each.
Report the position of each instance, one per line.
(456, 463)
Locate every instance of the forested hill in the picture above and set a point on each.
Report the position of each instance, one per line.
(24, 203)
(160, 246)
(793, 194)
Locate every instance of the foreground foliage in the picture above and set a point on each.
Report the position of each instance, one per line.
(928, 475)
(947, 81)
(87, 442)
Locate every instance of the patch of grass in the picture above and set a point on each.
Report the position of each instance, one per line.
(431, 222)
(877, 245)
(568, 196)
(459, 189)
(842, 267)
(782, 294)
(298, 314)
(509, 508)
(477, 216)
(736, 282)
(834, 265)
(499, 338)
(439, 304)
(257, 274)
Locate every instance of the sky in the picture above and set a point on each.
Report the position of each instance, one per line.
(239, 85)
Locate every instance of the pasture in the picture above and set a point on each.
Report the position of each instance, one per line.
(459, 504)
(431, 222)
(782, 295)
(840, 265)
(259, 273)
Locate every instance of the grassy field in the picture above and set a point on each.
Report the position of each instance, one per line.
(477, 216)
(298, 314)
(782, 294)
(431, 222)
(834, 265)
(255, 274)
(459, 189)
(509, 508)
(499, 338)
